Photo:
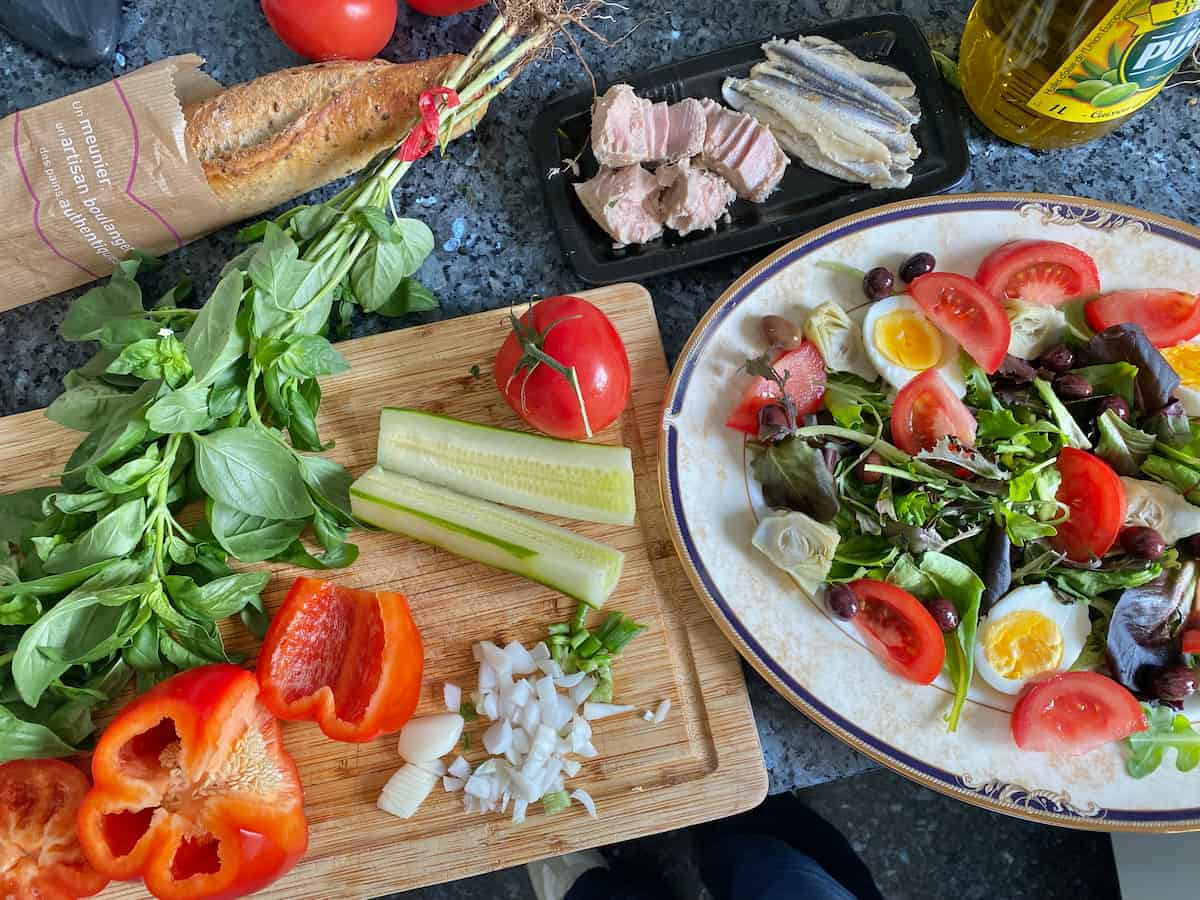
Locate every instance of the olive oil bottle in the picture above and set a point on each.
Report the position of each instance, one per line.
(1062, 72)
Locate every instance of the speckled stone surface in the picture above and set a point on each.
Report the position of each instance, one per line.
(495, 242)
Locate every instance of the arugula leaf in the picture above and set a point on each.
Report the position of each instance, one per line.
(793, 475)
(962, 587)
(949, 450)
(247, 470)
(1166, 729)
(1121, 445)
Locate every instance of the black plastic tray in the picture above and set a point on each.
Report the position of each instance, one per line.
(805, 198)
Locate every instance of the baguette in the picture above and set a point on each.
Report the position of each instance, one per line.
(271, 139)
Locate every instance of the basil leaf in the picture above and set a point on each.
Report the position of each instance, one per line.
(123, 433)
(302, 423)
(417, 240)
(339, 558)
(251, 538)
(107, 312)
(53, 584)
(161, 357)
(20, 610)
(19, 511)
(307, 221)
(284, 286)
(410, 297)
(382, 268)
(213, 342)
(329, 484)
(72, 721)
(74, 628)
(180, 411)
(310, 356)
(87, 405)
(129, 477)
(9, 570)
(224, 597)
(255, 617)
(142, 653)
(249, 471)
(29, 740)
(377, 221)
(114, 535)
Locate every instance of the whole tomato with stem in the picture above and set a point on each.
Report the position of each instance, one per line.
(40, 856)
(563, 368)
(332, 29)
(444, 7)
(194, 792)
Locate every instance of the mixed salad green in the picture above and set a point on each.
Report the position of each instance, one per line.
(1024, 522)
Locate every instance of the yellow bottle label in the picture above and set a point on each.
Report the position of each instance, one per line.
(1123, 64)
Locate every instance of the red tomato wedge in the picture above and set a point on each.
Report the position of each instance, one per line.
(805, 372)
(926, 411)
(1168, 317)
(1191, 640)
(1096, 498)
(965, 311)
(1046, 272)
(899, 630)
(40, 856)
(1075, 712)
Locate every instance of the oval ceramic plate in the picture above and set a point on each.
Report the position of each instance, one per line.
(822, 667)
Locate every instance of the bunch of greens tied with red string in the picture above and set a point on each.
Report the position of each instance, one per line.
(201, 442)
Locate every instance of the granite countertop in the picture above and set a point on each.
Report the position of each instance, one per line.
(495, 241)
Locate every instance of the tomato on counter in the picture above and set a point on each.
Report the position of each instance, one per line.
(563, 357)
(40, 856)
(194, 792)
(1075, 712)
(349, 660)
(332, 29)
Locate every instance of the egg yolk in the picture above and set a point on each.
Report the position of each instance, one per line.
(1023, 644)
(1185, 360)
(906, 338)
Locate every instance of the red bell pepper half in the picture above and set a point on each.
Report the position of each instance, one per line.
(349, 660)
(194, 792)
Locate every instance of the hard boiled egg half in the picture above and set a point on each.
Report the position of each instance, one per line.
(1029, 633)
(1185, 360)
(902, 343)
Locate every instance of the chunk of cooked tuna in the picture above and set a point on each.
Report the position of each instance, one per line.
(619, 131)
(625, 203)
(742, 151)
(694, 198)
(687, 129)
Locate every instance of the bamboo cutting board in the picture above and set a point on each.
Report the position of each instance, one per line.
(703, 762)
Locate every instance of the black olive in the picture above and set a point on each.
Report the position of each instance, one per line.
(1190, 546)
(878, 283)
(1114, 404)
(842, 601)
(1175, 684)
(1143, 542)
(871, 459)
(1073, 387)
(917, 265)
(944, 613)
(1058, 358)
(780, 333)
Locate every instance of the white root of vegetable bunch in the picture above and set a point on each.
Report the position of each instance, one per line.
(539, 723)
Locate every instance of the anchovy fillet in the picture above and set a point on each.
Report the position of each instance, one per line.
(888, 79)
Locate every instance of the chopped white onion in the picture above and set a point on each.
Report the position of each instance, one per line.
(490, 706)
(588, 751)
(520, 660)
(586, 799)
(460, 768)
(452, 784)
(429, 737)
(521, 692)
(583, 690)
(406, 791)
(551, 668)
(569, 681)
(540, 651)
(495, 657)
(546, 692)
(520, 741)
(660, 714)
(530, 718)
(452, 694)
(498, 738)
(571, 767)
(519, 807)
(580, 734)
(595, 711)
(487, 678)
(432, 766)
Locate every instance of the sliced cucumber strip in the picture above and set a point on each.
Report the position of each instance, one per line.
(494, 535)
(591, 482)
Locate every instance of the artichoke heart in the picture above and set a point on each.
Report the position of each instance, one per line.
(798, 544)
(840, 340)
(1035, 327)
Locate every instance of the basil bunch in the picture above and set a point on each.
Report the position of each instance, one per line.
(104, 580)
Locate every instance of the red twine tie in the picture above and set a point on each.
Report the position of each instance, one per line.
(423, 137)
